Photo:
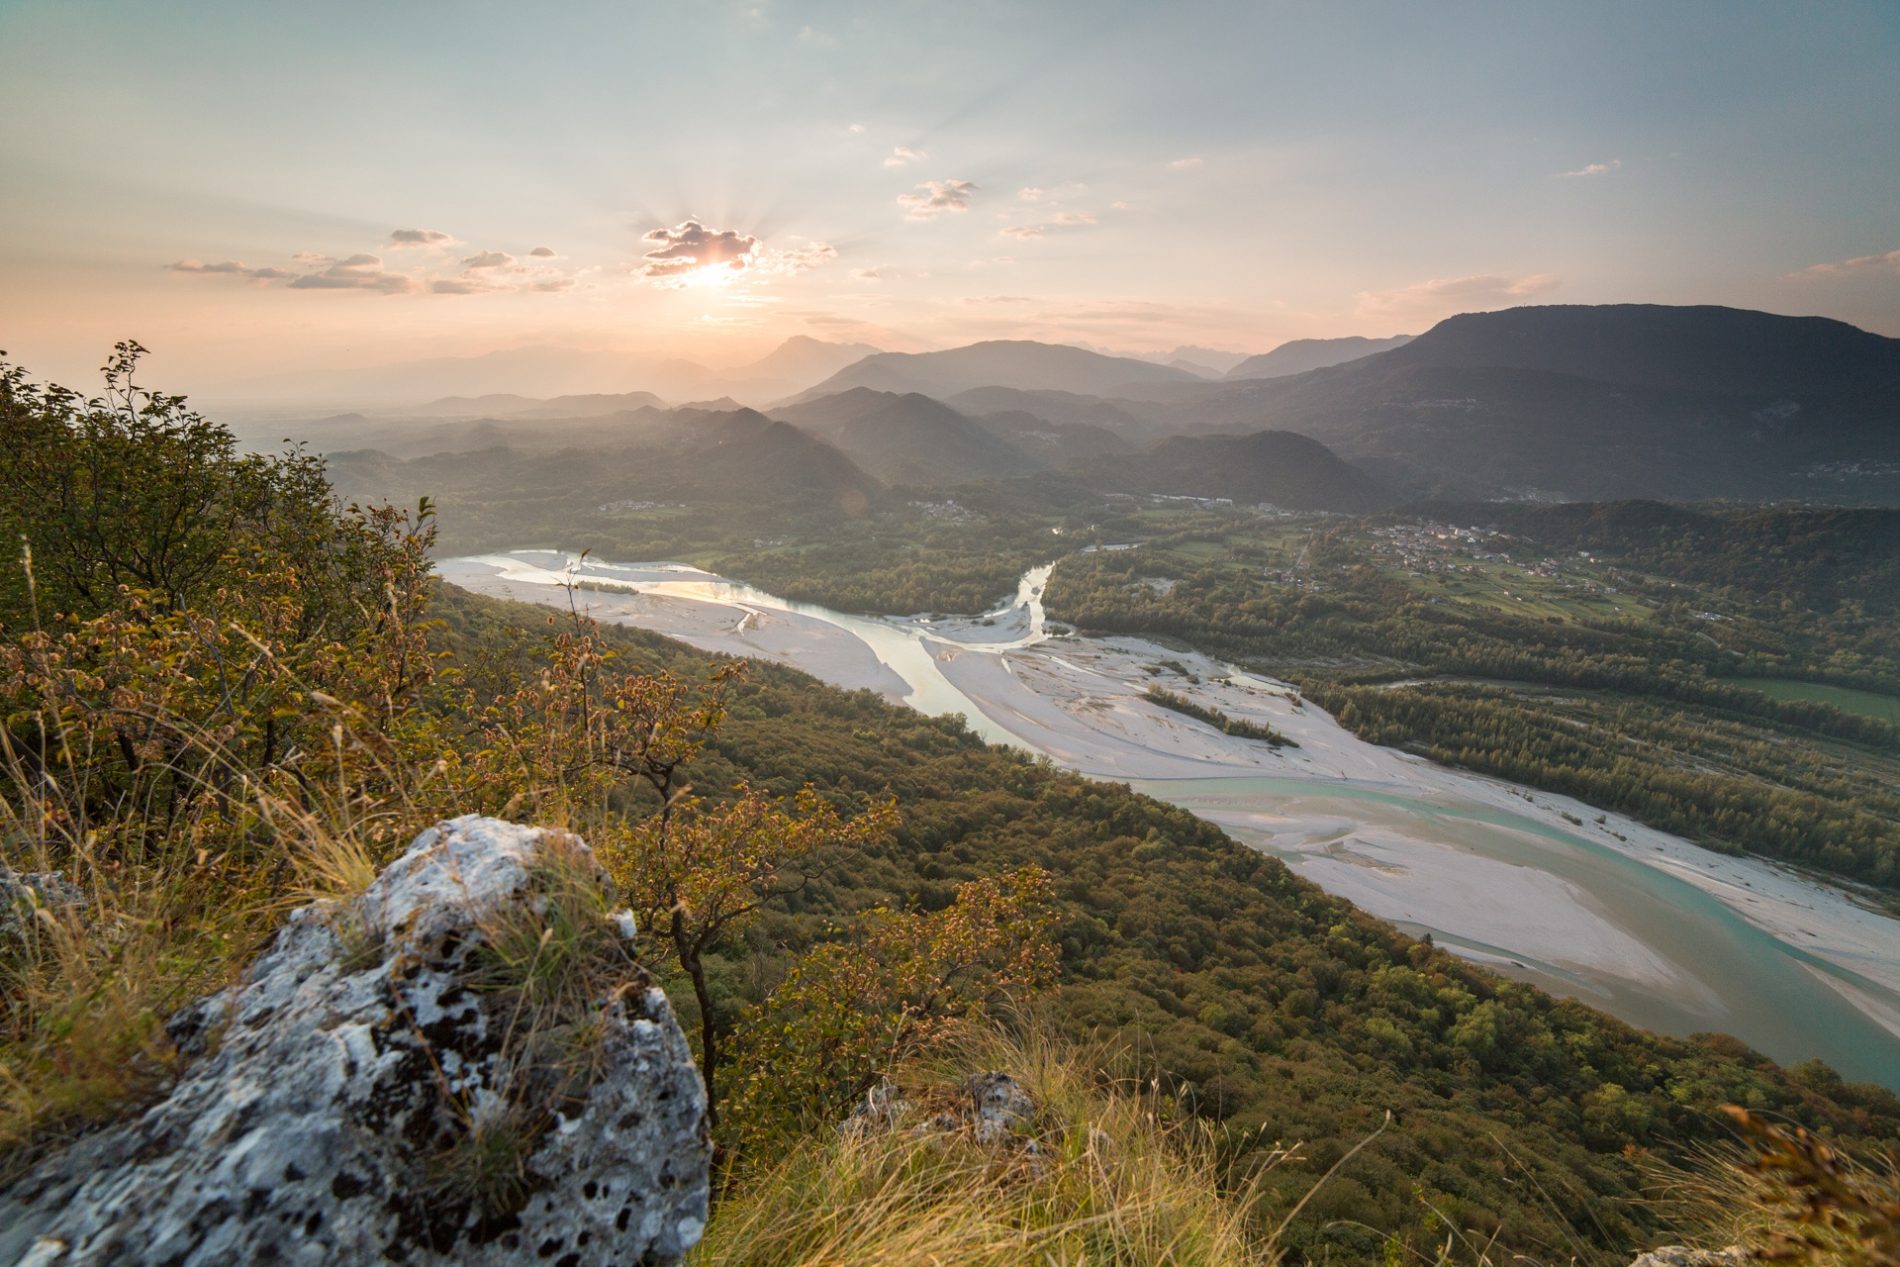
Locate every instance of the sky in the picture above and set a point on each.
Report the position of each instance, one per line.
(257, 190)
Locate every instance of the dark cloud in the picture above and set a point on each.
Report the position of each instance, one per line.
(542, 252)
(934, 198)
(692, 245)
(489, 259)
(402, 238)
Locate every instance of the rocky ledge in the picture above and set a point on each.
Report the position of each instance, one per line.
(364, 1096)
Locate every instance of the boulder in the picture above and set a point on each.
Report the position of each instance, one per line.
(385, 1085)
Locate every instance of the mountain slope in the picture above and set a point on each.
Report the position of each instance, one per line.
(1598, 404)
(1278, 468)
(1302, 355)
(1703, 348)
(802, 361)
(1001, 363)
(909, 438)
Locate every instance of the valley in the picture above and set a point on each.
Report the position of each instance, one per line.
(1595, 906)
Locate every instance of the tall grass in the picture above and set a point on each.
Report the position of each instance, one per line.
(1119, 1174)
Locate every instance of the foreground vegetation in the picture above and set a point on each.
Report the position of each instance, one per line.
(832, 888)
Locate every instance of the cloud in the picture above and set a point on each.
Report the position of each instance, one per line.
(903, 156)
(1592, 169)
(868, 275)
(1859, 266)
(356, 272)
(815, 38)
(1061, 220)
(1118, 205)
(404, 239)
(692, 245)
(793, 260)
(482, 273)
(1029, 193)
(1186, 164)
(1442, 296)
(855, 129)
(935, 198)
(229, 268)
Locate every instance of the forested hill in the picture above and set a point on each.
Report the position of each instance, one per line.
(1597, 403)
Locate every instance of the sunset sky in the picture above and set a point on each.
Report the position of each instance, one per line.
(259, 188)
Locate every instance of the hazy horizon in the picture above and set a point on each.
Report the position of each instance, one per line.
(263, 195)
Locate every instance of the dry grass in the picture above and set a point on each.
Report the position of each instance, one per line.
(1120, 1175)
(1785, 1196)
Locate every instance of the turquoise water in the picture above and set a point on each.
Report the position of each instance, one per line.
(1767, 993)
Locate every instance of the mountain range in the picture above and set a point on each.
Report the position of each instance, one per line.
(1553, 403)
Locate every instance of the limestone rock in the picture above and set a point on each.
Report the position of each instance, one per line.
(1681, 1256)
(24, 892)
(363, 1096)
(990, 1108)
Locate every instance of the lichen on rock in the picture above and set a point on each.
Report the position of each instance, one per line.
(386, 1085)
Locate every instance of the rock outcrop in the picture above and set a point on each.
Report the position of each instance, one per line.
(22, 893)
(1681, 1256)
(991, 1109)
(367, 1094)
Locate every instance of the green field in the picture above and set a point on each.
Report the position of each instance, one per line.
(1848, 700)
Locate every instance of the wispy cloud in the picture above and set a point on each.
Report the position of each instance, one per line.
(1859, 266)
(904, 156)
(1029, 193)
(356, 272)
(1592, 169)
(1186, 164)
(230, 268)
(408, 239)
(1061, 220)
(484, 272)
(1443, 296)
(935, 198)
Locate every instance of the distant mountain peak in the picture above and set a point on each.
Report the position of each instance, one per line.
(1300, 355)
